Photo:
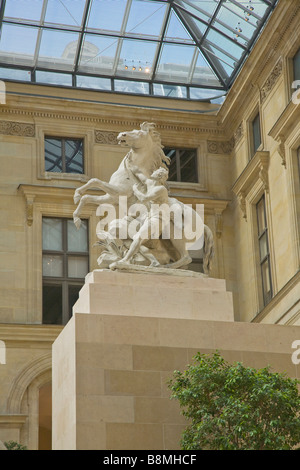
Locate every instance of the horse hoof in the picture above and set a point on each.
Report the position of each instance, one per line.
(77, 221)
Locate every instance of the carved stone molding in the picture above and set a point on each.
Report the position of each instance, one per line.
(271, 80)
(22, 129)
(242, 203)
(238, 134)
(220, 147)
(29, 209)
(219, 222)
(256, 170)
(106, 137)
(281, 149)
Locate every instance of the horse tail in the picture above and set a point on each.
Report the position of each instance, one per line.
(208, 250)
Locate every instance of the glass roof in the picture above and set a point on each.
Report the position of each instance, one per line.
(189, 49)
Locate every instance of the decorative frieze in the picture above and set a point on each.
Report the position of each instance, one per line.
(106, 137)
(220, 147)
(23, 129)
(270, 82)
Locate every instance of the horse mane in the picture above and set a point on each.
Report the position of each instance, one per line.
(160, 159)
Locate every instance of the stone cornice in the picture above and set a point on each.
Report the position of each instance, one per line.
(13, 420)
(286, 122)
(44, 194)
(280, 296)
(185, 125)
(31, 333)
(263, 67)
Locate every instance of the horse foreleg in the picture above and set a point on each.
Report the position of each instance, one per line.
(94, 183)
(89, 199)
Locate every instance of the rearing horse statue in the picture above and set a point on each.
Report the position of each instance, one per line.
(143, 159)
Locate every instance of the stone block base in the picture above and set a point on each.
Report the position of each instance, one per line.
(152, 295)
(110, 371)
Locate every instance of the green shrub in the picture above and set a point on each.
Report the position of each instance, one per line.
(232, 407)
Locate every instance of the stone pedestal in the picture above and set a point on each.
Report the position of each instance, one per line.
(112, 361)
(185, 295)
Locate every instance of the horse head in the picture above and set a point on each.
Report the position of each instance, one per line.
(138, 138)
(145, 144)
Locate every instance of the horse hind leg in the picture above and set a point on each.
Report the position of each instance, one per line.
(184, 257)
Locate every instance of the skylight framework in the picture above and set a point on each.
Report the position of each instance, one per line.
(190, 49)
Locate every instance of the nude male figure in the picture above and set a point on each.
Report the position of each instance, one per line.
(156, 195)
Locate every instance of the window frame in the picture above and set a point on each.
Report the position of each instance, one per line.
(178, 164)
(266, 259)
(296, 57)
(66, 129)
(65, 281)
(63, 156)
(253, 146)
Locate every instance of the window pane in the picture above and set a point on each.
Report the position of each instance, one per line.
(227, 15)
(74, 156)
(53, 155)
(101, 15)
(52, 234)
(266, 277)
(15, 74)
(297, 66)
(136, 58)
(77, 238)
(200, 10)
(206, 94)
(54, 78)
(19, 42)
(203, 74)
(176, 31)
(263, 246)
(23, 9)
(57, 49)
(145, 18)
(52, 304)
(73, 292)
(175, 63)
(128, 86)
(173, 91)
(68, 12)
(98, 54)
(188, 166)
(171, 153)
(231, 47)
(93, 82)
(256, 133)
(183, 166)
(52, 265)
(77, 266)
(261, 220)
